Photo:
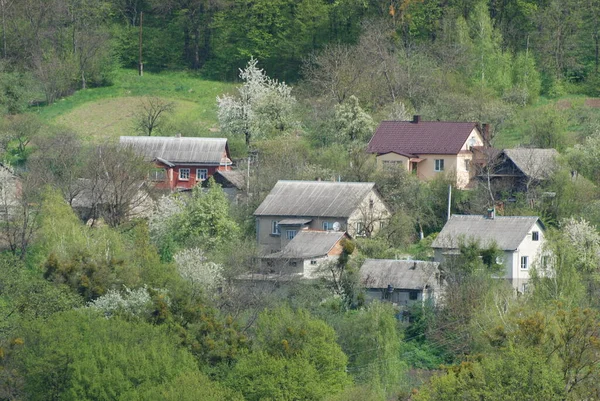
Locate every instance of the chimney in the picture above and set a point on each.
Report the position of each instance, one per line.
(178, 135)
(491, 213)
(416, 119)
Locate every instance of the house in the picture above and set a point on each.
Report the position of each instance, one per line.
(100, 198)
(291, 206)
(429, 148)
(517, 169)
(305, 254)
(180, 162)
(233, 183)
(402, 282)
(520, 238)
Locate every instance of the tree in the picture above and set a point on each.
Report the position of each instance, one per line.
(18, 132)
(114, 186)
(201, 220)
(295, 357)
(353, 124)
(106, 359)
(150, 116)
(263, 105)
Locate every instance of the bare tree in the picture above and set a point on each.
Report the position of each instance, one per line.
(59, 161)
(115, 184)
(150, 115)
(19, 210)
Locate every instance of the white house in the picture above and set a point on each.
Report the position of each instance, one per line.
(521, 238)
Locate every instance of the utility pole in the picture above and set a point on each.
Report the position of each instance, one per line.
(449, 200)
(141, 64)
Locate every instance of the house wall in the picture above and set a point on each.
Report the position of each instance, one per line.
(269, 242)
(393, 159)
(173, 182)
(533, 250)
(400, 297)
(372, 214)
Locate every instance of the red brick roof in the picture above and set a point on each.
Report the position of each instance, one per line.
(423, 137)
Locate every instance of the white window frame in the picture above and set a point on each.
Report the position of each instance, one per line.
(201, 174)
(438, 165)
(360, 229)
(524, 262)
(535, 235)
(275, 228)
(327, 226)
(290, 234)
(181, 176)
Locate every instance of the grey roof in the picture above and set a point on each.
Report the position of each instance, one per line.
(507, 232)
(235, 177)
(314, 198)
(533, 162)
(180, 150)
(404, 274)
(310, 244)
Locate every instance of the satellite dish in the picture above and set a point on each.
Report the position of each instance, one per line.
(472, 141)
(336, 226)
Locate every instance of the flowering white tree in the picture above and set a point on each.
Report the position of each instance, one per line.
(263, 105)
(585, 241)
(133, 302)
(352, 122)
(195, 268)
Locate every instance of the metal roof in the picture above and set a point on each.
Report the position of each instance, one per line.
(293, 222)
(314, 198)
(534, 162)
(507, 232)
(418, 138)
(180, 150)
(310, 244)
(235, 177)
(400, 274)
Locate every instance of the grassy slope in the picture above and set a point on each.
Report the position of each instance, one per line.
(108, 111)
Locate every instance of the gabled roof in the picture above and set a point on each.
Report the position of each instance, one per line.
(314, 198)
(400, 274)
(535, 163)
(423, 137)
(310, 244)
(507, 232)
(180, 150)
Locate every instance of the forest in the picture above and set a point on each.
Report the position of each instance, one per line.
(151, 306)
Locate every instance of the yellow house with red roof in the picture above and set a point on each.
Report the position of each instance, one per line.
(429, 148)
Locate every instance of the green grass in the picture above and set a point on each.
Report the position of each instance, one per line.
(108, 111)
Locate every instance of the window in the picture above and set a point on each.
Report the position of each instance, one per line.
(290, 234)
(413, 295)
(524, 262)
(391, 164)
(201, 174)
(360, 228)
(327, 226)
(313, 262)
(467, 165)
(184, 173)
(439, 165)
(275, 228)
(158, 174)
(535, 236)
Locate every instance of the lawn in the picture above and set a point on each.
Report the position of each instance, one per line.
(108, 112)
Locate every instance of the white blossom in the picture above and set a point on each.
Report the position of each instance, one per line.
(193, 266)
(134, 302)
(262, 105)
(167, 208)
